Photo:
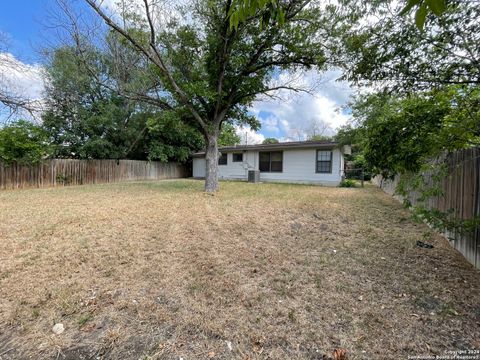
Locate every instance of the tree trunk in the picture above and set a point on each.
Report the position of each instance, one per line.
(211, 157)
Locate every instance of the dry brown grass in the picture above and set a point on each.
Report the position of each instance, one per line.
(163, 271)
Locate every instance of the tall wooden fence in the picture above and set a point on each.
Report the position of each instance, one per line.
(461, 196)
(61, 172)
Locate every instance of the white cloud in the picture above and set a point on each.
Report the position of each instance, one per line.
(118, 6)
(293, 113)
(21, 80)
(272, 124)
(248, 136)
(161, 11)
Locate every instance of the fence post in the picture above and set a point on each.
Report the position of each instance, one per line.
(55, 172)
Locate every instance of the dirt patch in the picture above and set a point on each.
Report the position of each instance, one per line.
(259, 271)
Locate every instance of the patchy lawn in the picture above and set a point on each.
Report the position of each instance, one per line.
(160, 270)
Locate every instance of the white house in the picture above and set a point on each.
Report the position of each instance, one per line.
(310, 162)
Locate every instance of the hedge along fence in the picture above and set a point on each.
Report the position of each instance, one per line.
(62, 172)
(461, 196)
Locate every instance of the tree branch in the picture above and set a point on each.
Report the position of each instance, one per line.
(275, 88)
(222, 57)
(157, 59)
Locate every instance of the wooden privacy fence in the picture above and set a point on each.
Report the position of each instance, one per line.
(460, 188)
(60, 172)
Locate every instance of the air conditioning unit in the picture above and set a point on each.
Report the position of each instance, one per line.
(347, 149)
(253, 176)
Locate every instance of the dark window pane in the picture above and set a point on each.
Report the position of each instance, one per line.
(324, 161)
(271, 161)
(276, 166)
(276, 156)
(264, 162)
(324, 166)
(237, 157)
(264, 156)
(222, 160)
(324, 155)
(276, 161)
(264, 166)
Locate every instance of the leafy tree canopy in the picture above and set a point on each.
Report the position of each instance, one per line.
(399, 135)
(213, 71)
(88, 120)
(23, 142)
(170, 138)
(270, 140)
(228, 136)
(271, 10)
(423, 8)
(391, 52)
(320, 138)
(84, 119)
(426, 83)
(243, 9)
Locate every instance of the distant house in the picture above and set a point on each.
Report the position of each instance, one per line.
(310, 162)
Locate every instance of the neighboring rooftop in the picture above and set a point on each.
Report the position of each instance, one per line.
(280, 145)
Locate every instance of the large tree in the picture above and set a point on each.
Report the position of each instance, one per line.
(426, 95)
(270, 140)
(86, 119)
(198, 64)
(392, 52)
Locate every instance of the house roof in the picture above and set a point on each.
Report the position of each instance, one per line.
(278, 146)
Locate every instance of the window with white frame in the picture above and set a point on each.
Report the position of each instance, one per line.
(324, 161)
(271, 161)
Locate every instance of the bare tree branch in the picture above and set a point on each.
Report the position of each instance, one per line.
(12, 96)
(155, 58)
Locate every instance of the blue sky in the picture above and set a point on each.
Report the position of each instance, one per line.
(25, 23)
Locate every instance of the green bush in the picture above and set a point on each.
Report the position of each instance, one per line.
(347, 183)
(23, 142)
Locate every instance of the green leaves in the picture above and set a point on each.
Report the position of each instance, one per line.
(409, 6)
(172, 138)
(424, 7)
(394, 52)
(270, 10)
(400, 134)
(437, 6)
(420, 16)
(85, 120)
(24, 143)
(228, 136)
(270, 140)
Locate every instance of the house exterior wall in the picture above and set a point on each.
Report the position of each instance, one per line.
(234, 170)
(299, 166)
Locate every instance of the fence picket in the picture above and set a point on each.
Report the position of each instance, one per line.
(461, 194)
(61, 172)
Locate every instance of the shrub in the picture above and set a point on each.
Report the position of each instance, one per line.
(347, 183)
(23, 142)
